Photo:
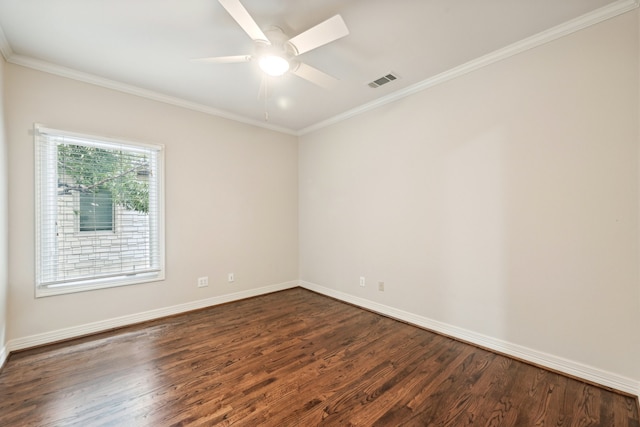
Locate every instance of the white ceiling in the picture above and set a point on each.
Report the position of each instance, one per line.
(149, 44)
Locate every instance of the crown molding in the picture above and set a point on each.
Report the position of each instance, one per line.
(5, 47)
(607, 12)
(69, 73)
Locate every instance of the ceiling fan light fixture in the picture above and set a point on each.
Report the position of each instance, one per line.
(274, 65)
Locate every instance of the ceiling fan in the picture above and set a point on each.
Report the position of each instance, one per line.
(277, 54)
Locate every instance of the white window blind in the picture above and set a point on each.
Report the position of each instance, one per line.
(99, 212)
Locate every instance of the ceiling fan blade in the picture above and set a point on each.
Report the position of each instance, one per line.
(323, 33)
(315, 76)
(225, 59)
(242, 17)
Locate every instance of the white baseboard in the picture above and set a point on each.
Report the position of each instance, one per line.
(104, 325)
(4, 353)
(556, 363)
(576, 369)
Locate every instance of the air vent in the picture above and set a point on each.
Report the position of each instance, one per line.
(383, 80)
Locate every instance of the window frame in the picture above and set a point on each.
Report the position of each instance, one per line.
(42, 184)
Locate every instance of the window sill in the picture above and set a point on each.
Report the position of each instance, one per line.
(90, 285)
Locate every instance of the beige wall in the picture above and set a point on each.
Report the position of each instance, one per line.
(4, 238)
(504, 202)
(231, 200)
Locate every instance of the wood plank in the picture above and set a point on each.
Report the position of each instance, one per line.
(285, 359)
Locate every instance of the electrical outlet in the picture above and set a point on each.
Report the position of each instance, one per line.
(362, 282)
(231, 278)
(203, 282)
(381, 286)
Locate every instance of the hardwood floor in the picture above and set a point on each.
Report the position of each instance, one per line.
(292, 358)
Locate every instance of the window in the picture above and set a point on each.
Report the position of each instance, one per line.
(95, 212)
(99, 212)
